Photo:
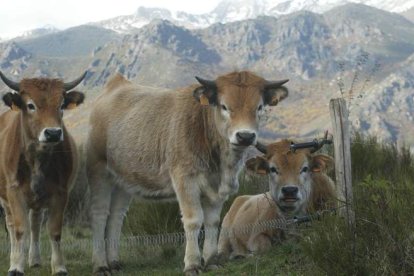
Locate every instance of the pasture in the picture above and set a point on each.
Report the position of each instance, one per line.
(383, 244)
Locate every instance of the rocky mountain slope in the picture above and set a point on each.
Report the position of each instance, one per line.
(353, 47)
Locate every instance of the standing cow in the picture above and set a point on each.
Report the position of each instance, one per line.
(298, 184)
(186, 145)
(38, 162)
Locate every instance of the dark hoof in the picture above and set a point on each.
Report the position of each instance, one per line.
(211, 264)
(193, 270)
(115, 265)
(239, 257)
(35, 266)
(102, 271)
(15, 273)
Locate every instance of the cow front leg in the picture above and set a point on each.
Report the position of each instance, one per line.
(35, 224)
(20, 228)
(119, 208)
(188, 196)
(211, 226)
(55, 222)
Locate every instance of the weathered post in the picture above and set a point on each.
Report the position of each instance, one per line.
(342, 147)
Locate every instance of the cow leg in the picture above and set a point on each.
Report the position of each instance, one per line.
(259, 243)
(12, 236)
(101, 191)
(55, 223)
(20, 229)
(34, 250)
(119, 208)
(211, 224)
(188, 196)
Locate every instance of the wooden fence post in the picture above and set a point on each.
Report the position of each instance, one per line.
(342, 147)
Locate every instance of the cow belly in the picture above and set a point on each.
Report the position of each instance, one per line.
(146, 187)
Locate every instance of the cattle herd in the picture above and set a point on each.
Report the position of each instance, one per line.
(187, 145)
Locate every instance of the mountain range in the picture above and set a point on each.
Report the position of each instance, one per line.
(365, 52)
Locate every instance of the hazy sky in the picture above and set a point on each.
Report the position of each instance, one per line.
(17, 16)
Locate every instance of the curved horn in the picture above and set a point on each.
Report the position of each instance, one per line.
(70, 85)
(275, 84)
(206, 83)
(261, 147)
(13, 85)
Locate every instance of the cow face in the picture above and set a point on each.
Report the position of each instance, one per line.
(41, 103)
(289, 173)
(238, 100)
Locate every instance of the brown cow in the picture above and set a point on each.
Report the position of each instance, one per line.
(298, 184)
(38, 162)
(186, 145)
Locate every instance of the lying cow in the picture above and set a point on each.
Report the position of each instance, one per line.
(298, 184)
(38, 162)
(186, 145)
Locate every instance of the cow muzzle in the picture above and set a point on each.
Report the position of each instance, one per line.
(290, 194)
(244, 138)
(51, 135)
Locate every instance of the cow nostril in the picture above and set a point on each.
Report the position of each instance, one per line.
(290, 190)
(245, 137)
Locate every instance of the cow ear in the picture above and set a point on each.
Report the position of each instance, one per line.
(13, 100)
(72, 99)
(258, 165)
(322, 163)
(206, 94)
(272, 96)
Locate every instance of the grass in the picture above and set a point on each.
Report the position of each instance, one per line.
(382, 244)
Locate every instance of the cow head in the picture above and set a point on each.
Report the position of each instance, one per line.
(289, 173)
(238, 100)
(41, 102)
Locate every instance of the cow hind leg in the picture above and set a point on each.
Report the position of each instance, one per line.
(101, 190)
(35, 217)
(119, 207)
(55, 223)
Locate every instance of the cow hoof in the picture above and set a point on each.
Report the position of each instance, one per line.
(36, 265)
(239, 257)
(193, 270)
(102, 271)
(115, 265)
(211, 267)
(15, 273)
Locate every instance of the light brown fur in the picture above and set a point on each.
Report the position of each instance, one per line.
(35, 175)
(256, 209)
(167, 145)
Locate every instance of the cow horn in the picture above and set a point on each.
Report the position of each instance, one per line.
(275, 84)
(261, 147)
(206, 83)
(70, 85)
(13, 85)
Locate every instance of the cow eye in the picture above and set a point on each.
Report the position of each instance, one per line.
(274, 170)
(304, 170)
(223, 107)
(260, 108)
(31, 106)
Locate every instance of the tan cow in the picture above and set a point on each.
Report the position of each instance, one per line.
(38, 162)
(298, 184)
(186, 145)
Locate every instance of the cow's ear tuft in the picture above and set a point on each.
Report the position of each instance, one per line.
(258, 165)
(322, 163)
(272, 96)
(72, 99)
(13, 100)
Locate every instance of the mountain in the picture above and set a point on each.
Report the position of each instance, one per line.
(235, 10)
(47, 29)
(72, 42)
(364, 48)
